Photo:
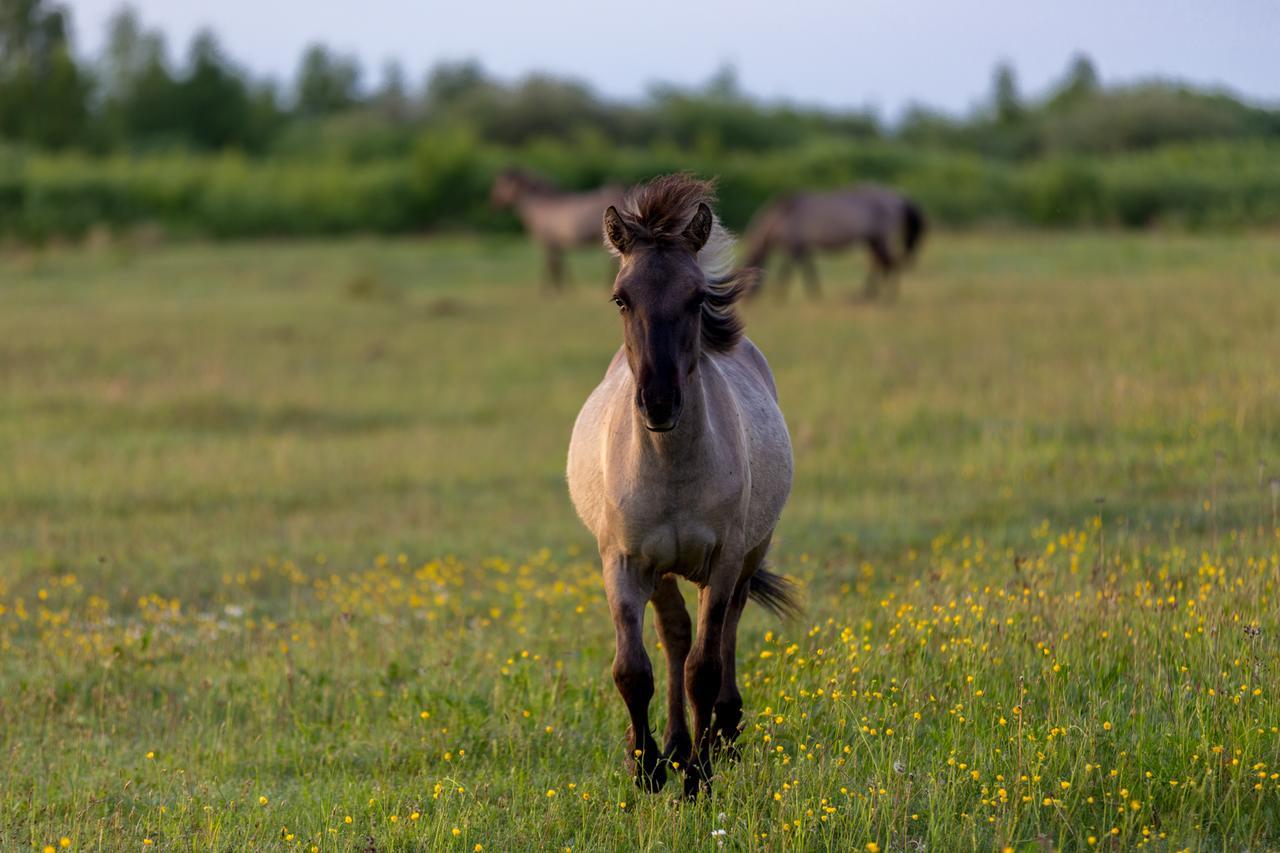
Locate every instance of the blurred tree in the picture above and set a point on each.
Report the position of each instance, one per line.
(392, 97)
(43, 93)
(136, 92)
(213, 98)
(724, 85)
(123, 59)
(1004, 94)
(450, 82)
(150, 108)
(1150, 115)
(1079, 83)
(326, 83)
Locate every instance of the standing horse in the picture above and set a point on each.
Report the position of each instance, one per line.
(798, 224)
(558, 220)
(680, 464)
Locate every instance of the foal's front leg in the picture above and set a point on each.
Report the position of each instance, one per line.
(729, 700)
(704, 669)
(675, 630)
(632, 671)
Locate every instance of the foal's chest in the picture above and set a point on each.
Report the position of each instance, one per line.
(673, 530)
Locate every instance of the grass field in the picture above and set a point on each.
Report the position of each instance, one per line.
(287, 562)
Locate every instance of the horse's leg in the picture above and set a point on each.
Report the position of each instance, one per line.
(555, 267)
(881, 263)
(784, 275)
(675, 631)
(811, 274)
(703, 667)
(729, 701)
(632, 671)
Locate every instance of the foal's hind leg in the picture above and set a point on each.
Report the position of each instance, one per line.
(728, 720)
(632, 671)
(704, 666)
(675, 630)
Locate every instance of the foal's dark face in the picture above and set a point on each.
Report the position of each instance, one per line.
(659, 293)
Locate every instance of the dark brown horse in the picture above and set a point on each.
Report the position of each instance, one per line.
(680, 464)
(889, 223)
(558, 220)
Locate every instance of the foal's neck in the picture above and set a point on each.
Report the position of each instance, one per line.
(686, 441)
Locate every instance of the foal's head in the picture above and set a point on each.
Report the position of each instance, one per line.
(673, 289)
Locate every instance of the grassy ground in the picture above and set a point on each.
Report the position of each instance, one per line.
(286, 557)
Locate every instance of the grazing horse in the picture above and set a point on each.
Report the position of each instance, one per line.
(798, 224)
(558, 220)
(680, 464)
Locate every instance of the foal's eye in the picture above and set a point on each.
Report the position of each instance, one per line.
(622, 306)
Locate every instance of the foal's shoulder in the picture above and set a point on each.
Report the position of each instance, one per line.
(747, 355)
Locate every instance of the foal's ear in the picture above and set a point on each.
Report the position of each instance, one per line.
(616, 231)
(697, 232)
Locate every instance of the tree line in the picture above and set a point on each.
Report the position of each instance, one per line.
(134, 97)
(203, 145)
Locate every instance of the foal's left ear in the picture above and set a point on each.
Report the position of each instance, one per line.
(616, 231)
(698, 231)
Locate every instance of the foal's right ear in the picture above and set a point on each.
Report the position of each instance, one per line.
(616, 231)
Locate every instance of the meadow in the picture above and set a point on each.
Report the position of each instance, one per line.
(287, 561)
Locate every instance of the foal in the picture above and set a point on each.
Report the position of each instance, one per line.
(680, 464)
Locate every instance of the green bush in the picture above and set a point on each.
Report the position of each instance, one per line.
(444, 184)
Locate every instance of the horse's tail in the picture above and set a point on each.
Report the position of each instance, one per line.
(914, 227)
(776, 593)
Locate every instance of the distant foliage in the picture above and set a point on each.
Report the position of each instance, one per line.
(443, 184)
(200, 145)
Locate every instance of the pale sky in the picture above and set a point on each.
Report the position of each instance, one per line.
(877, 53)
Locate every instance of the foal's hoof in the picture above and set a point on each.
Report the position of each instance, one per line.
(725, 729)
(679, 750)
(650, 776)
(645, 762)
(648, 768)
(695, 782)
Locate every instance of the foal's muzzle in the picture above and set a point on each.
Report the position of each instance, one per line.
(661, 412)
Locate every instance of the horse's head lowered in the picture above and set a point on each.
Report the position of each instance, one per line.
(512, 184)
(671, 290)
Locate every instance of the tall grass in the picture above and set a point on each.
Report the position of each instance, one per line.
(286, 559)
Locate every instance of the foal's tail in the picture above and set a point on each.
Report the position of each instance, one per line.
(776, 593)
(914, 225)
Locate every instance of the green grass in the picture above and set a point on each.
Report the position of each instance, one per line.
(261, 506)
